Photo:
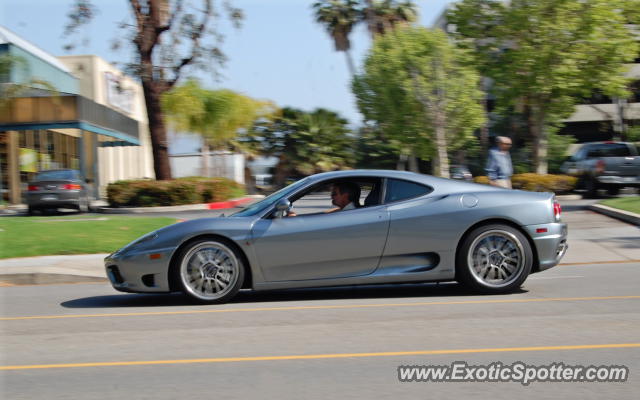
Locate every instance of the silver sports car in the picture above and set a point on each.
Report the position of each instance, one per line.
(399, 227)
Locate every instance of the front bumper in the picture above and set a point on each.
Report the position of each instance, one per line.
(139, 272)
(550, 242)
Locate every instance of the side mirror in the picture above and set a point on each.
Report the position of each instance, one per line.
(282, 207)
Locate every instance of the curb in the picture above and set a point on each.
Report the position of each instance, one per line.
(220, 205)
(566, 197)
(626, 216)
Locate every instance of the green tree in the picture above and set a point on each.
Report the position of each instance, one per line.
(543, 55)
(382, 16)
(374, 150)
(217, 116)
(420, 92)
(338, 18)
(631, 10)
(305, 143)
(168, 36)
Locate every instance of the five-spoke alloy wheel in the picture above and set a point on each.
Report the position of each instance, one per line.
(210, 271)
(494, 259)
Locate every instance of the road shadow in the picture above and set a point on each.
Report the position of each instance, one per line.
(422, 290)
(631, 242)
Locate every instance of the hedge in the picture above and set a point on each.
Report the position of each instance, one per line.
(192, 190)
(538, 183)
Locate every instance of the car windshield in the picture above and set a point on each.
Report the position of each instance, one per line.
(270, 200)
(64, 174)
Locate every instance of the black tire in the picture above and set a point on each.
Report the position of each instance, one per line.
(613, 190)
(591, 187)
(489, 252)
(209, 263)
(31, 210)
(83, 205)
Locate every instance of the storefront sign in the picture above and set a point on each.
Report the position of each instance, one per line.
(118, 96)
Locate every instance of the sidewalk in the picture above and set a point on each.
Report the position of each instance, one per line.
(53, 269)
(616, 242)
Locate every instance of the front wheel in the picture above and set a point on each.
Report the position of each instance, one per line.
(209, 271)
(494, 259)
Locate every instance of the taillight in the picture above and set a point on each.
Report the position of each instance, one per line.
(557, 210)
(71, 186)
(34, 188)
(600, 166)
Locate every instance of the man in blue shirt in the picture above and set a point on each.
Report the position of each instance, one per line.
(499, 168)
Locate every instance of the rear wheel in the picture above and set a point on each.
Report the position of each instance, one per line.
(31, 210)
(83, 206)
(494, 259)
(209, 271)
(613, 190)
(591, 187)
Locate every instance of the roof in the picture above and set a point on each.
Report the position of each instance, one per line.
(443, 185)
(389, 173)
(8, 37)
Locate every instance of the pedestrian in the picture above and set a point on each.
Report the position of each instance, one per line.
(499, 168)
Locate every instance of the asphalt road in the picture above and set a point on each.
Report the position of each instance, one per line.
(163, 347)
(86, 341)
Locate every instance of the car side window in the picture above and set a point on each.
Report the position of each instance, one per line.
(616, 150)
(401, 190)
(317, 200)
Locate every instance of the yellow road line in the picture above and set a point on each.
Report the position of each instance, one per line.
(324, 307)
(324, 356)
(600, 262)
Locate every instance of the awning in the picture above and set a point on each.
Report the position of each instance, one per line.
(34, 109)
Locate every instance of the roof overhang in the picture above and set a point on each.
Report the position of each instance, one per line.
(32, 109)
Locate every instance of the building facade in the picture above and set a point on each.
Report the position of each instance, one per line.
(104, 84)
(75, 112)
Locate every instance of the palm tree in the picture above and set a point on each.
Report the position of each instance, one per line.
(383, 16)
(339, 17)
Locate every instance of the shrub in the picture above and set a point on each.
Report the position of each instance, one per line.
(192, 190)
(538, 183)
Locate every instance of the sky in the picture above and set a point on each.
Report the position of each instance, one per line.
(279, 53)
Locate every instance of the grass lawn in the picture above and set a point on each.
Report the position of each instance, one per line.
(40, 236)
(631, 204)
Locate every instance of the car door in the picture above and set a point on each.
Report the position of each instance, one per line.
(321, 246)
(418, 227)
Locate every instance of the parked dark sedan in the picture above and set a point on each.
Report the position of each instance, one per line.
(60, 188)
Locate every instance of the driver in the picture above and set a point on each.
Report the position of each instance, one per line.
(344, 195)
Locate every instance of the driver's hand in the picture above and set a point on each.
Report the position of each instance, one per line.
(292, 214)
